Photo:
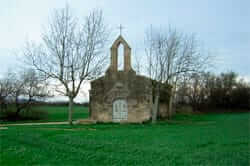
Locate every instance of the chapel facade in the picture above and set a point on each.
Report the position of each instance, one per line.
(121, 95)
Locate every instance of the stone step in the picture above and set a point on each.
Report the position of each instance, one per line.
(85, 121)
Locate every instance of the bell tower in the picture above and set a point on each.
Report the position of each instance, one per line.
(114, 55)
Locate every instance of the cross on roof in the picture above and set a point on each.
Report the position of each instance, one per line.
(121, 27)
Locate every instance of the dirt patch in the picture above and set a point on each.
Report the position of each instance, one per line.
(34, 124)
(3, 128)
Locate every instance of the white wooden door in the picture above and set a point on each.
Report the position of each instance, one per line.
(120, 110)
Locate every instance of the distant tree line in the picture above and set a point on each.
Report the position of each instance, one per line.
(210, 92)
(19, 91)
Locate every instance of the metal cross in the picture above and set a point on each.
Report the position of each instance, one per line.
(121, 27)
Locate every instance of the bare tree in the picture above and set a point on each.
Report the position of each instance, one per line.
(195, 89)
(138, 62)
(170, 55)
(71, 51)
(27, 87)
(6, 89)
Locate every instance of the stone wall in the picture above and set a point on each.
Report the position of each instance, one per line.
(136, 90)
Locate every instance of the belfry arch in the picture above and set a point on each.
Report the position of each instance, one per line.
(120, 57)
(126, 55)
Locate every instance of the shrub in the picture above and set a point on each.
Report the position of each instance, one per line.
(28, 114)
(33, 114)
(241, 98)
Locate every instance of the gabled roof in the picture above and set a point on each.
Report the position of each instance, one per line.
(118, 41)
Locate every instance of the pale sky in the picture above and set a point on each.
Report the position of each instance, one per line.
(223, 26)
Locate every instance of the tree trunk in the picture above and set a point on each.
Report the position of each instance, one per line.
(18, 110)
(90, 110)
(71, 103)
(170, 105)
(2, 106)
(155, 109)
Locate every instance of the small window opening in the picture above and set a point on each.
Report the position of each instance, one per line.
(121, 57)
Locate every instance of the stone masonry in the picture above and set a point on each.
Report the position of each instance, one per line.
(121, 96)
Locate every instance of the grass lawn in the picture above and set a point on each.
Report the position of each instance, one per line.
(213, 139)
(57, 113)
(60, 113)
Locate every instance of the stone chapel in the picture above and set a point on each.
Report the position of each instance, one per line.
(121, 95)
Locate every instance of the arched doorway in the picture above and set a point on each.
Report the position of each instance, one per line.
(120, 110)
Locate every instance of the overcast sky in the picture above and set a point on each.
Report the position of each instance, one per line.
(223, 26)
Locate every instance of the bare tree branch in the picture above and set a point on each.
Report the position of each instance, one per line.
(170, 55)
(71, 52)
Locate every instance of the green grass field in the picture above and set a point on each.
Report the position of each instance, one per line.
(212, 139)
(60, 113)
(55, 114)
